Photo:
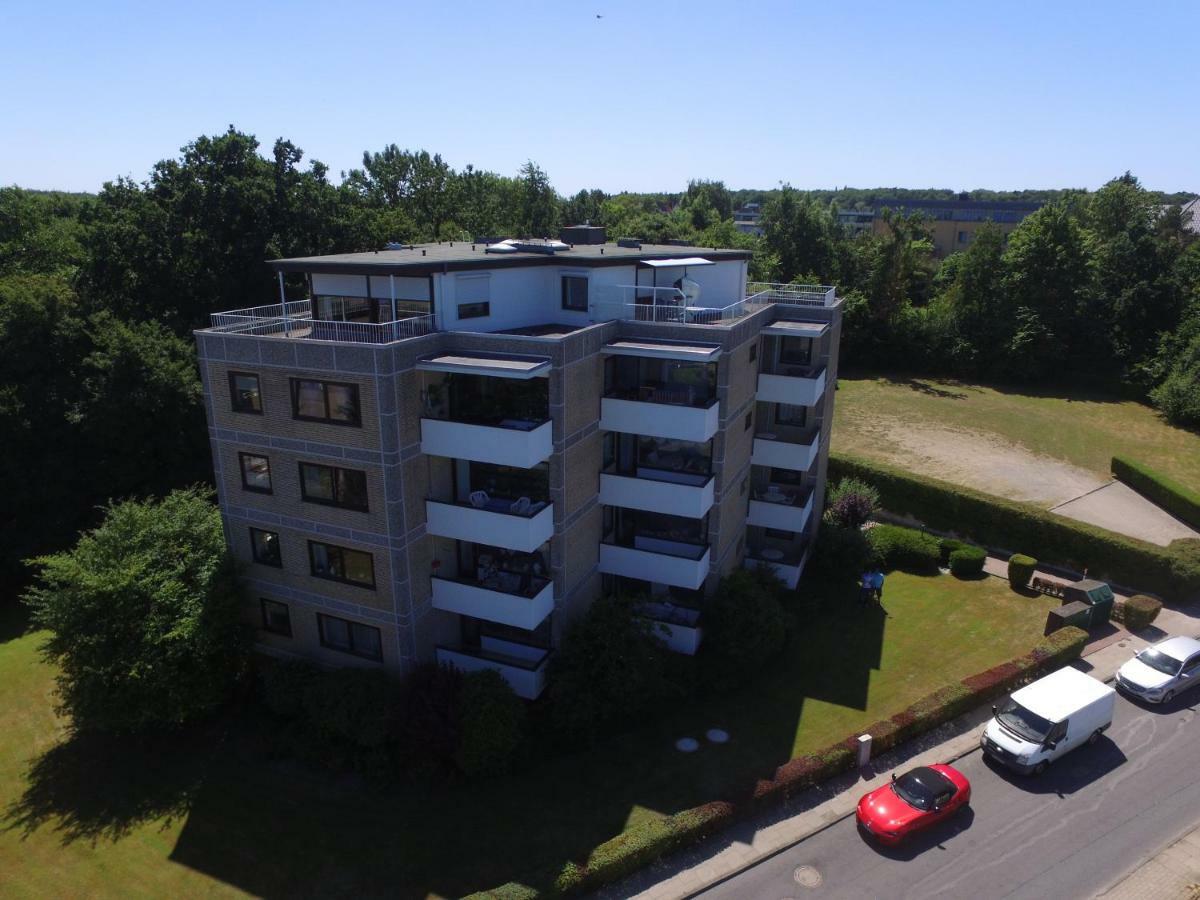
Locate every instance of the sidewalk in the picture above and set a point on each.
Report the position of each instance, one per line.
(748, 843)
(1174, 874)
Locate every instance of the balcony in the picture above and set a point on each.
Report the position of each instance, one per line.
(510, 442)
(653, 490)
(787, 568)
(522, 666)
(678, 627)
(499, 599)
(655, 416)
(784, 510)
(657, 560)
(294, 320)
(495, 522)
(771, 450)
(793, 385)
(792, 294)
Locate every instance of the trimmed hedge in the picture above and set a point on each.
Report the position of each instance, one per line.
(1020, 570)
(1137, 612)
(1177, 499)
(653, 839)
(968, 562)
(906, 549)
(948, 545)
(993, 521)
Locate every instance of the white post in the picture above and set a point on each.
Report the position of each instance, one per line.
(392, 285)
(287, 328)
(864, 750)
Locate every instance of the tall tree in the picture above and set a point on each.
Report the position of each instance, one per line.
(539, 205)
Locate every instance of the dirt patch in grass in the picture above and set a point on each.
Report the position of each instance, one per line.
(973, 458)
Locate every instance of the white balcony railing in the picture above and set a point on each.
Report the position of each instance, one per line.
(294, 320)
(657, 560)
(665, 420)
(787, 569)
(522, 666)
(497, 600)
(522, 446)
(804, 387)
(651, 491)
(779, 510)
(793, 294)
(491, 526)
(670, 305)
(796, 456)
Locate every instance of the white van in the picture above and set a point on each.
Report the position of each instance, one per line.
(1044, 720)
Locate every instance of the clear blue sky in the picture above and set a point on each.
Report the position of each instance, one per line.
(960, 95)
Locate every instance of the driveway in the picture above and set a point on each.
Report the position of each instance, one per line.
(1119, 508)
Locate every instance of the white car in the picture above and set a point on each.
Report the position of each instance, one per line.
(1160, 672)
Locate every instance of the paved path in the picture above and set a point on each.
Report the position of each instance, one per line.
(748, 844)
(1119, 508)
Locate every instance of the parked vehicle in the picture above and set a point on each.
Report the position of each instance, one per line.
(1044, 720)
(915, 800)
(1160, 672)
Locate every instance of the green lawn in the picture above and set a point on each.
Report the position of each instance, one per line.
(1079, 428)
(212, 813)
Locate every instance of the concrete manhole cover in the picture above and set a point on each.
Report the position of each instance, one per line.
(716, 735)
(687, 745)
(807, 876)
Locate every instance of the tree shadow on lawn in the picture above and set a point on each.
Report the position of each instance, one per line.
(272, 828)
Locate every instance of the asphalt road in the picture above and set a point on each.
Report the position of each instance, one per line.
(1090, 819)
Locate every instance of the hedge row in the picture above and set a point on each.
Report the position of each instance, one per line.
(906, 549)
(993, 521)
(653, 839)
(1175, 498)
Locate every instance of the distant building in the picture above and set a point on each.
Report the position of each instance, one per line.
(1192, 207)
(856, 221)
(954, 223)
(746, 219)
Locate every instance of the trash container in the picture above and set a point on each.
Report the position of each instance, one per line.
(1075, 613)
(1096, 594)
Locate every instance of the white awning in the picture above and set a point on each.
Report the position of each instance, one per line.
(664, 350)
(497, 366)
(787, 328)
(686, 261)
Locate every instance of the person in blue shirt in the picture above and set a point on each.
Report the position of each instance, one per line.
(877, 587)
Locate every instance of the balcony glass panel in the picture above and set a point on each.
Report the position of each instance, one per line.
(669, 381)
(520, 404)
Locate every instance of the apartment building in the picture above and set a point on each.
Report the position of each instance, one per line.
(952, 224)
(448, 451)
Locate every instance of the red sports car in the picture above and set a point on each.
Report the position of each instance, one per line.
(920, 798)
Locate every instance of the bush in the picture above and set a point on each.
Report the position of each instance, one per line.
(1020, 570)
(745, 628)
(429, 720)
(283, 683)
(968, 562)
(1137, 612)
(851, 503)
(842, 554)
(609, 671)
(354, 706)
(948, 545)
(996, 522)
(905, 549)
(144, 616)
(1177, 499)
(492, 717)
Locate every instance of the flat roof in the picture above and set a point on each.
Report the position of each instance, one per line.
(797, 329)
(494, 364)
(425, 259)
(695, 352)
(1061, 693)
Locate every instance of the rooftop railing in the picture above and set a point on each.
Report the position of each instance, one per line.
(797, 294)
(639, 303)
(294, 320)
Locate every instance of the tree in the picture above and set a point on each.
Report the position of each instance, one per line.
(143, 616)
(539, 212)
(851, 503)
(609, 670)
(745, 628)
(799, 233)
(492, 719)
(982, 311)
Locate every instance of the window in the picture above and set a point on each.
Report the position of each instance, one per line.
(256, 473)
(575, 293)
(744, 486)
(244, 392)
(749, 420)
(264, 546)
(350, 637)
(962, 237)
(795, 351)
(325, 401)
(332, 486)
(1192, 666)
(754, 351)
(341, 564)
(345, 309)
(276, 618)
(787, 414)
(474, 310)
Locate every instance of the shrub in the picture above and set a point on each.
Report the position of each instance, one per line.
(1175, 498)
(1137, 612)
(1020, 570)
(492, 717)
(842, 554)
(906, 549)
(283, 683)
(851, 503)
(745, 628)
(968, 562)
(609, 671)
(948, 545)
(144, 616)
(998, 522)
(429, 720)
(356, 706)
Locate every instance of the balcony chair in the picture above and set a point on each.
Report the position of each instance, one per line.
(521, 506)
(479, 499)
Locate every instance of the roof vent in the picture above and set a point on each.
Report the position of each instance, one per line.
(630, 243)
(393, 245)
(532, 245)
(583, 234)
